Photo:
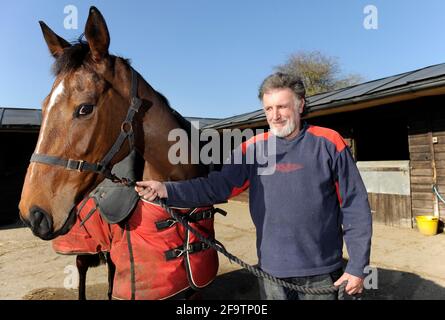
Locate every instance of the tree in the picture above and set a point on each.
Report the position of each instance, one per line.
(320, 73)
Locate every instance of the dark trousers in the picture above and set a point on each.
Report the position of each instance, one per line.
(273, 291)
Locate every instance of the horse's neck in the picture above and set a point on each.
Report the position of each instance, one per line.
(157, 123)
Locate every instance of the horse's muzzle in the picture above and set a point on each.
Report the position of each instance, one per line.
(40, 223)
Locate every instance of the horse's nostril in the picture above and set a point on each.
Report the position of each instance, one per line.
(40, 222)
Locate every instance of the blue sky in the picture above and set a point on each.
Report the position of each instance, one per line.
(209, 56)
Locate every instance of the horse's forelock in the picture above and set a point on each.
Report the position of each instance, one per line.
(74, 57)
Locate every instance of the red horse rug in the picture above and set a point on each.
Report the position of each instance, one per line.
(155, 256)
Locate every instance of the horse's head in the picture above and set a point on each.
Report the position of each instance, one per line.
(81, 119)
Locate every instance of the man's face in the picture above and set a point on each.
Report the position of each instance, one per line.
(283, 109)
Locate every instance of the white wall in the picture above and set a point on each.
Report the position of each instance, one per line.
(387, 177)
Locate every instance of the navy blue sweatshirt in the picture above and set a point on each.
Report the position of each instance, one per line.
(302, 209)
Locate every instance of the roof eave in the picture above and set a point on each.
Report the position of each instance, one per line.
(371, 100)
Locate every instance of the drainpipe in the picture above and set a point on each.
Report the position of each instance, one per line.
(433, 163)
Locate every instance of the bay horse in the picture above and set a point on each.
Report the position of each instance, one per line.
(83, 116)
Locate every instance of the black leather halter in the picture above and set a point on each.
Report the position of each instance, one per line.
(102, 167)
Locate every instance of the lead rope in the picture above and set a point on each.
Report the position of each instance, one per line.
(215, 244)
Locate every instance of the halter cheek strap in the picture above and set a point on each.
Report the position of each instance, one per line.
(102, 167)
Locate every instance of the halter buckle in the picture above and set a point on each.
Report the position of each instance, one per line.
(135, 104)
(75, 165)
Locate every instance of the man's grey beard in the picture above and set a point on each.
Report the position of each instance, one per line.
(285, 131)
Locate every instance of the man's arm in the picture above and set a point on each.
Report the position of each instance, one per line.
(216, 188)
(356, 219)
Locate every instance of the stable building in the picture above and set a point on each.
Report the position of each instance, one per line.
(19, 129)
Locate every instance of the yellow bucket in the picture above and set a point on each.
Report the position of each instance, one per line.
(427, 225)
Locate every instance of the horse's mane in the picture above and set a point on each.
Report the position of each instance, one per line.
(183, 122)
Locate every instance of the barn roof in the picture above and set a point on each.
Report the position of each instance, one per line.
(16, 117)
(422, 82)
(203, 121)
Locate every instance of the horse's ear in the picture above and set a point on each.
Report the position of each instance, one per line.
(97, 35)
(55, 43)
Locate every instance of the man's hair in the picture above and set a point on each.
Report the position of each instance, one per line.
(280, 80)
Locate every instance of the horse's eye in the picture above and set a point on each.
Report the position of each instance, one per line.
(84, 110)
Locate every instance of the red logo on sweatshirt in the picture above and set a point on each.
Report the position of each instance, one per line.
(288, 167)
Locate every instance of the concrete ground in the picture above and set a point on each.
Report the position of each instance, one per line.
(409, 265)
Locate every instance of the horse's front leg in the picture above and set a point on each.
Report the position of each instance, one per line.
(111, 271)
(82, 263)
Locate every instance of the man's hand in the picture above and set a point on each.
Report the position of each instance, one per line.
(354, 286)
(149, 190)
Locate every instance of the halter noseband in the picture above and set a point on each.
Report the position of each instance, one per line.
(102, 167)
